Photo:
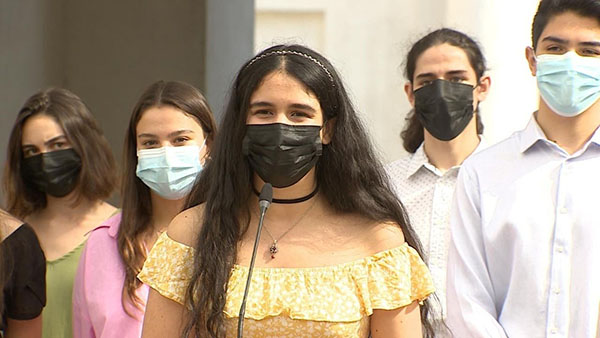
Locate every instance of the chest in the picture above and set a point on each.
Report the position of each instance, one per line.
(282, 326)
(58, 238)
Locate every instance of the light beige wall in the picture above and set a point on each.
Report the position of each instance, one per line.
(367, 42)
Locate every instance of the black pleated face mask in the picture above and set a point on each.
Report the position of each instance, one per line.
(54, 173)
(444, 108)
(282, 154)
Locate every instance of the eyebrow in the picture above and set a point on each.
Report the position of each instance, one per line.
(564, 42)
(172, 134)
(555, 39)
(452, 72)
(293, 105)
(50, 141)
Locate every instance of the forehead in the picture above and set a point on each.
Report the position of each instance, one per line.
(39, 128)
(572, 27)
(279, 87)
(165, 119)
(442, 58)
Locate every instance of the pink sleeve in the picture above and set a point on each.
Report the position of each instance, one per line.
(82, 325)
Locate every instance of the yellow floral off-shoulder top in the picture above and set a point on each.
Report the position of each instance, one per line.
(329, 301)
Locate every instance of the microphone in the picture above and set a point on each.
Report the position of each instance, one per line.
(264, 201)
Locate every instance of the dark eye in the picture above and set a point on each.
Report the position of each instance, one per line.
(458, 79)
(149, 143)
(29, 152)
(263, 112)
(555, 49)
(180, 140)
(299, 114)
(589, 52)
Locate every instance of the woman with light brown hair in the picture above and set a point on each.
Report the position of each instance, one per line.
(167, 143)
(59, 171)
(22, 279)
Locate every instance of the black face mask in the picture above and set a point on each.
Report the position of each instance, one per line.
(444, 108)
(54, 173)
(282, 154)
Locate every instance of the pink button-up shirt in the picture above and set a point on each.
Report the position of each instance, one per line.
(98, 289)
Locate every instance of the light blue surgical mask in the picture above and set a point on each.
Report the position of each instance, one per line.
(568, 83)
(169, 171)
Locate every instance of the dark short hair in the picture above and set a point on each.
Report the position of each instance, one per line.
(98, 168)
(547, 9)
(412, 135)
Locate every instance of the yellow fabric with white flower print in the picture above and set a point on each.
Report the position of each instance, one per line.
(330, 301)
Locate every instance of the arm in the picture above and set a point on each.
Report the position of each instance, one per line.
(31, 328)
(402, 322)
(470, 295)
(163, 318)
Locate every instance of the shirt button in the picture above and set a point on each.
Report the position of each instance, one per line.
(560, 249)
(554, 330)
(563, 210)
(556, 290)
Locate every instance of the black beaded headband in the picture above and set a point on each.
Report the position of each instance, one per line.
(284, 52)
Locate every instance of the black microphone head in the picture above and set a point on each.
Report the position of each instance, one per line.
(266, 193)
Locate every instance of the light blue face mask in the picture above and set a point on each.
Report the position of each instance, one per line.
(169, 171)
(568, 83)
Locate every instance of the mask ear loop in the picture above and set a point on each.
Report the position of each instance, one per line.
(203, 144)
(207, 155)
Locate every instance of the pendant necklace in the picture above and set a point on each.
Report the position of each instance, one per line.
(273, 249)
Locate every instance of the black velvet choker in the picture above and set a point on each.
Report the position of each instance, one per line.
(292, 200)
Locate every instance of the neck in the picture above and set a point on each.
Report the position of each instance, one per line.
(570, 133)
(164, 210)
(65, 207)
(304, 187)
(447, 154)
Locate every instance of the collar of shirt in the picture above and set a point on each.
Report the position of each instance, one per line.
(533, 133)
(420, 160)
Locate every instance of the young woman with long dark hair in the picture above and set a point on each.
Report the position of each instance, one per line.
(337, 257)
(167, 143)
(59, 171)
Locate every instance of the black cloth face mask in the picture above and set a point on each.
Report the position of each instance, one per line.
(54, 173)
(444, 108)
(282, 154)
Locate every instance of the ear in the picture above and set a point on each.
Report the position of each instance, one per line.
(409, 93)
(530, 56)
(483, 88)
(327, 131)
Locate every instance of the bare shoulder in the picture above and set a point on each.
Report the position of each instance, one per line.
(8, 224)
(185, 227)
(384, 236)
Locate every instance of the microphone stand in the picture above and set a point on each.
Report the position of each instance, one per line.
(264, 200)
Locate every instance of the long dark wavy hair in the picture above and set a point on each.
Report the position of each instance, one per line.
(349, 174)
(412, 135)
(136, 217)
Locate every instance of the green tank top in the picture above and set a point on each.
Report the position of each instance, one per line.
(57, 316)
